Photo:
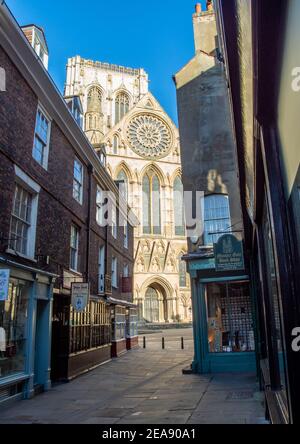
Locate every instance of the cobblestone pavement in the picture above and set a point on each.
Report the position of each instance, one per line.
(147, 387)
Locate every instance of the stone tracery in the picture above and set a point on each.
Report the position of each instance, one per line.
(149, 136)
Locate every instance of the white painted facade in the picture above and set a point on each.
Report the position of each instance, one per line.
(157, 256)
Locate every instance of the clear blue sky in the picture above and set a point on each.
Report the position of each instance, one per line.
(155, 35)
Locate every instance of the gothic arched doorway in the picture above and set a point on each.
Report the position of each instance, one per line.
(151, 310)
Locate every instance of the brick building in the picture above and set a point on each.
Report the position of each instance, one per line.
(55, 230)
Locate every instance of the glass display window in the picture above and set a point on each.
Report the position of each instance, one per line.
(13, 329)
(229, 317)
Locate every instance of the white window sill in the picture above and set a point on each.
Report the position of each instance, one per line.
(23, 256)
(75, 272)
(45, 166)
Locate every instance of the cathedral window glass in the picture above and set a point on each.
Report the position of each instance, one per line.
(217, 219)
(179, 220)
(151, 204)
(123, 184)
(182, 272)
(121, 106)
(116, 144)
(94, 100)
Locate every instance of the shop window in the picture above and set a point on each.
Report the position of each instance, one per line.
(216, 218)
(229, 313)
(273, 295)
(119, 323)
(131, 323)
(91, 328)
(13, 329)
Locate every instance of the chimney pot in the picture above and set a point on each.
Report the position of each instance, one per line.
(198, 8)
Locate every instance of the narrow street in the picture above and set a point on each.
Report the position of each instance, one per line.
(146, 386)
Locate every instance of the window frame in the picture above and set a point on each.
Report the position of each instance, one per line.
(114, 272)
(45, 151)
(150, 210)
(75, 269)
(214, 220)
(99, 206)
(31, 187)
(75, 181)
(114, 226)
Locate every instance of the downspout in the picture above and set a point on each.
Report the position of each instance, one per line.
(88, 223)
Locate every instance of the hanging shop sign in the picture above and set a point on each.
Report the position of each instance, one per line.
(80, 296)
(229, 254)
(4, 284)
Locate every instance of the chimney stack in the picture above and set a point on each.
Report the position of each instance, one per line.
(198, 8)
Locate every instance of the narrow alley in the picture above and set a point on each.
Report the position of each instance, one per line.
(146, 386)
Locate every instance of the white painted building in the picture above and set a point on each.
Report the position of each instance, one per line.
(143, 152)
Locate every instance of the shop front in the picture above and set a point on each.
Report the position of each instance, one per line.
(81, 338)
(224, 327)
(25, 330)
(132, 339)
(123, 326)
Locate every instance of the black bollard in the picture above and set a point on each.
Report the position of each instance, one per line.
(163, 343)
(182, 344)
(144, 342)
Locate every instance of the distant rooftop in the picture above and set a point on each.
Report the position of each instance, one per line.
(112, 67)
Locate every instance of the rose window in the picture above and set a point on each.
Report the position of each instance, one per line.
(149, 136)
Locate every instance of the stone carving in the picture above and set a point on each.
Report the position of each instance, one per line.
(155, 265)
(149, 136)
(140, 265)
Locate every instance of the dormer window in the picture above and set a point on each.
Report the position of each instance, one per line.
(36, 37)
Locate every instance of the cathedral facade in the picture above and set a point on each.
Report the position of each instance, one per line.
(141, 143)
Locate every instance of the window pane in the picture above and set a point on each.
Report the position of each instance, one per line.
(156, 217)
(146, 205)
(217, 219)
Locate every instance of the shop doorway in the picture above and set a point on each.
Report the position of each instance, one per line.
(41, 352)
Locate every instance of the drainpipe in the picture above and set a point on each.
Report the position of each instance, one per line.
(88, 223)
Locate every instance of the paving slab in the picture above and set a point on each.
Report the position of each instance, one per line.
(146, 386)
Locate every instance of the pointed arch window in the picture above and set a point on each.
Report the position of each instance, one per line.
(116, 144)
(182, 272)
(178, 206)
(121, 106)
(123, 184)
(94, 99)
(151, 204)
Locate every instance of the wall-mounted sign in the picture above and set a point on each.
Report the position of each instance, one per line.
(4, 284)
(229, 254)
(80, 296)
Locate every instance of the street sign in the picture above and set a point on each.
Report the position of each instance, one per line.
(80, 296)
(4, 284)
(229, 254)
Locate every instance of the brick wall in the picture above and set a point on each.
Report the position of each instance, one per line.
(57, 209)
